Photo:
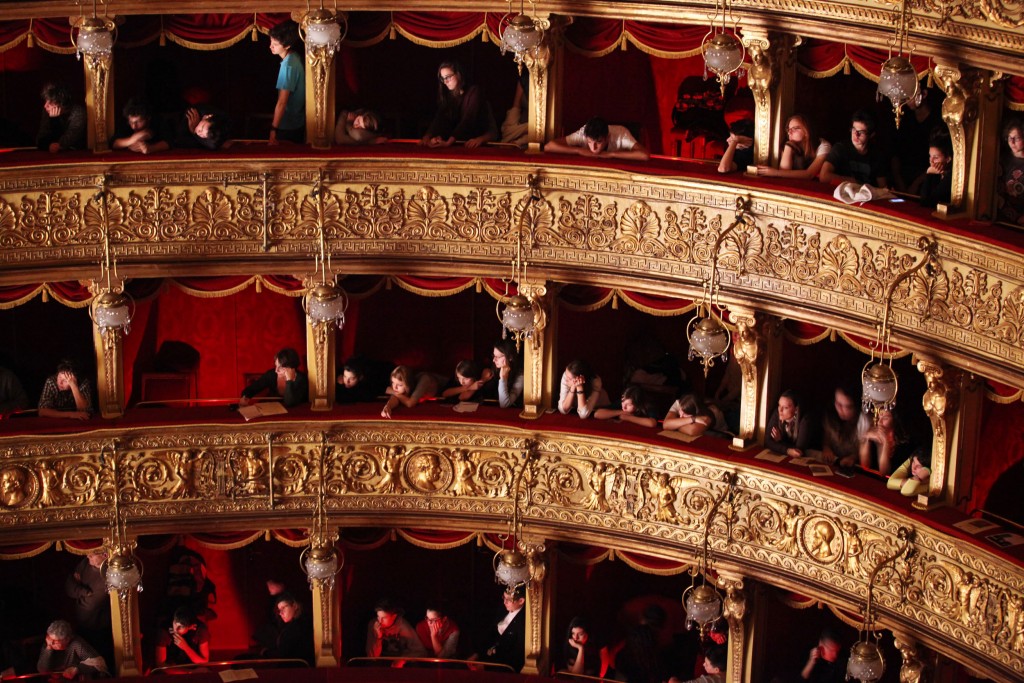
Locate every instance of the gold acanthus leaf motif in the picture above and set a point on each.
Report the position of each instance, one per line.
(640, 231)
(427, 217)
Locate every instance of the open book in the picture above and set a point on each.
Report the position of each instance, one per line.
(262, 409)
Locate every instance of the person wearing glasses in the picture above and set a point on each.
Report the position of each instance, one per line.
(439, 633)
(859, 160)
(803, 155)
(463, 115)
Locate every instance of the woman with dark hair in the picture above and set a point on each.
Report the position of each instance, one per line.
(913, 477)
(582, 655)
(788, 431)
(468, 383)
(63, 123)
(689, 416)
(462, 112)
(581, 390)
(633, 408)
(283, 380)
(289, 121)
(510, 373)
(1011, 177)
(883, 442)
(841, 443)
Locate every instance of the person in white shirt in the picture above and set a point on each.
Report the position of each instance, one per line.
(598, 139)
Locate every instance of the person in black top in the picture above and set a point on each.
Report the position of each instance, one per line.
(144, 137)
(859, 160)
(284, 380)
(463, 114)
(295, 637)
(62, 125)
(509, 636)
(202, 127)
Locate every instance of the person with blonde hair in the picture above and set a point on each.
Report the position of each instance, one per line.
(803, 155)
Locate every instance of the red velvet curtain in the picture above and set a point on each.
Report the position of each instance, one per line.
(820, 59)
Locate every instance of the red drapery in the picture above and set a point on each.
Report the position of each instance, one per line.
(820, 59)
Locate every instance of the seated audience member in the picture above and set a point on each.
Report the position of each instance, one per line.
(463, 113)
(202, 127)
(438, 633)
(514, 128)
(912, 478)
(62, 125)
(910, 141)
(739, 150)
(65, 394)
(88, 588)
(841, 443)
(789, 430)
(715, 660)
(363, 380)
(187, 641)
(12, 393)
(882, 442)
(508, 637)
(358, 127)
(266, 634)
(295, 636)
(284, 380)
(1011, 179)
(936, 184)
(390, 635)
(144, 138)
(823, 665)
(288, 122)
(582, 656)
(468, 383)
(597, 139)
(632, 408)
(408, 388)
(803, 154)
(581, 390)
(643, 659)
(68, 655)
(689, 416)
(510, 373)
(859, 160)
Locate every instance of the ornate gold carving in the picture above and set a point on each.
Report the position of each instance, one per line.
(912, 667)
(940, 405)
(759, 78)
(320, 64)
(958, 109)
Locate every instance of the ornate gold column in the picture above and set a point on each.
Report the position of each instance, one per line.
(326, 619)
(985, 146)
(734, 610)
(537, 61)
(320, 350)
(748, 348)
(539, 357)
(959, 110)
(760, 80)
(108, 344)
(320, 95)
(99, 99)
(940, 403)
(124, 618)
(538, 608)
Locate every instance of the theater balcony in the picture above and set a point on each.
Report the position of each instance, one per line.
(219, 256)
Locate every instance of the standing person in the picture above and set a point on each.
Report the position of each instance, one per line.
(284, 380)
(597, 139)
(66, 394)
(510, 373)
(92, 604)
(1011, 186)
(63, 123)
(463, 115)
(509, 643)
(803, 154)
(390, 635)
(859, 160)
(581, 390)
(289, 122)
(439, 633)
(66, 654)
(187, 641)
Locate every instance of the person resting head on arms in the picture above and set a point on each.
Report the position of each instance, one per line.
(470, 378)
(582, 655)
(66, 394)
(739, 151)
(936, 184)
(69, 655)
(689, 416)
(913, 477)
(597, 139)
(581, 390)
(883, 441)
(803, 155)
(390, 635)
(202, 127)
(408, 388)
(358, 127)
(283, 380)
(510, 373)
(63, 123)
(633, 408)
(438, 633)
(143, 138)
(187, 641)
